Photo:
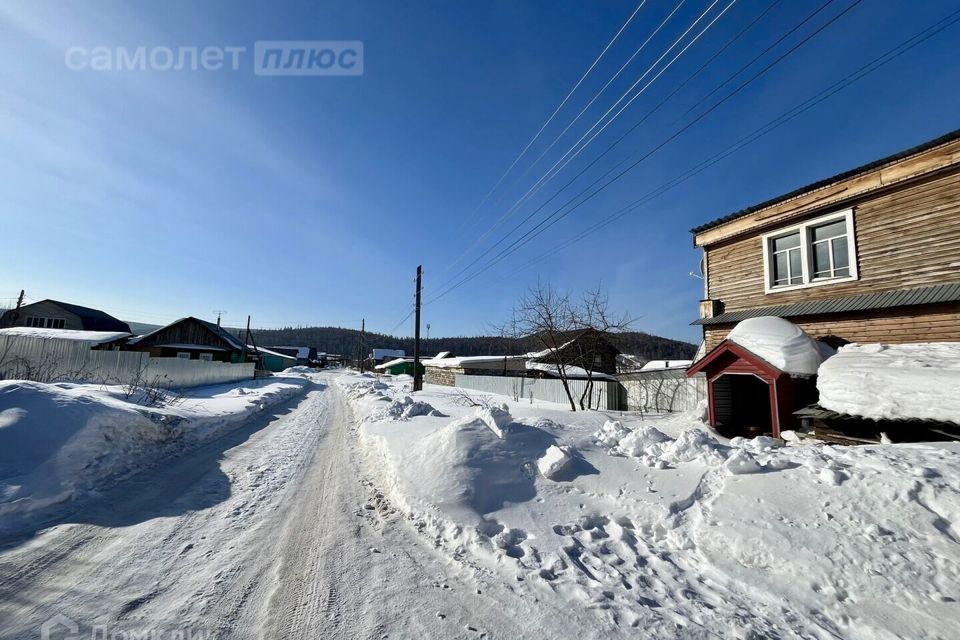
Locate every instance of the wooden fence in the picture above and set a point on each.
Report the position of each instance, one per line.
(52, 360)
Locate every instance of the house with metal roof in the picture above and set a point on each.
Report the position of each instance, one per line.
(871, 255)
(190, 338)
(54, 314)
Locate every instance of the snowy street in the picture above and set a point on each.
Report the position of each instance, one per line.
(263, 532)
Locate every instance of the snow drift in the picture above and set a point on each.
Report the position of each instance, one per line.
(893, 381)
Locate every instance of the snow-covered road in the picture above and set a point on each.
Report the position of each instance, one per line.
(273, 530)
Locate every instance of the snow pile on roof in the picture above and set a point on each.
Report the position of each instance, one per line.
(392, 363)
(58, 441)
(468, 360)
(93, 337)
(893, 382)
(569, 371)
(554, 461)
(782, 344)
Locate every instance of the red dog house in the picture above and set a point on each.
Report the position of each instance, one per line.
(748, 396)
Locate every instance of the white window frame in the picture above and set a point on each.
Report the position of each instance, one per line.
(183, 355)
(205, 357)
(806, 253)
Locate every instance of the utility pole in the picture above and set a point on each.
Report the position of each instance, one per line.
(16, 312)
(360, 349)
(417, 376)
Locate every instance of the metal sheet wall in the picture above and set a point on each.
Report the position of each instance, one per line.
(605, 393)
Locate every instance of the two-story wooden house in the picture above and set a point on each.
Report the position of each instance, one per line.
(870, 255)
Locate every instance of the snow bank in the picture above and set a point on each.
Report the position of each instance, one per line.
(60, 440)
(405, 409)
(555, 461)
(497, 418)
(781, 343)
(893, 381)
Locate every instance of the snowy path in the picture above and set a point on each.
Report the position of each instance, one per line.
(270, 531)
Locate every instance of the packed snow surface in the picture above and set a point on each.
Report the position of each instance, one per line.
(898, 381)
(781, 343)
(657, 527)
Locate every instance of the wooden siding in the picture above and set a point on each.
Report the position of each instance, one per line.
(928, 323)
(904, 239)
(837, 195)
(187, 331)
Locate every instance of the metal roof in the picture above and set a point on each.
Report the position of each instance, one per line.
(949, 137)
(949, 292)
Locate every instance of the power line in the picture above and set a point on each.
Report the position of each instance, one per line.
(556, 216)
(539, 184)
(560, 106)
(843, 83)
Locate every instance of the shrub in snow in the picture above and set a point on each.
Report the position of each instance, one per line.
(781, 343)
(555, 461)
(611, 433)
(497, 417)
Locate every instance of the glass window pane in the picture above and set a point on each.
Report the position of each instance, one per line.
(840, 257)
(786, 242)
(845, 271)
(831, 230)
(796, 270)
(821, 259)
(780, 268)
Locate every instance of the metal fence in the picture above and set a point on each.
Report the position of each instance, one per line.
(605, 394)
(663, 391)
(50, 360)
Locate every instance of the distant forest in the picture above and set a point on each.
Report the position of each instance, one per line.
(344, 342)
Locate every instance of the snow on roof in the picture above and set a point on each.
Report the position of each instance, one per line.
(93, 337)
(570, 371)
(890, 382)
(456, 362)
(393, 363)
(271, 353)
(782, 344)
(655, 365)
(442, 354)
(388, 353)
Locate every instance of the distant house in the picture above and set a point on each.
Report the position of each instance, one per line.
(444, 370)
(588, 350)
(869, 255)
(190, 338)
(304, 355)
(379, 356)
(53, 314)
(272, 359)
(399, 366)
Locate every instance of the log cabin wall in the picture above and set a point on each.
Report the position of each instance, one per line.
(926, 323)
(905, 238)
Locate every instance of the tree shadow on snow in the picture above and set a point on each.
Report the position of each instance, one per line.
(188, 481)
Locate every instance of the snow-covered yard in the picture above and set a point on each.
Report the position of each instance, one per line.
(60, 441)
(656, 524)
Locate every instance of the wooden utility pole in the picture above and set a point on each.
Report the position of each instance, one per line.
(16, 312)
(360, 349)
(417, 376)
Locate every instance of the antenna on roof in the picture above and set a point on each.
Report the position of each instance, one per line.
(219, 312)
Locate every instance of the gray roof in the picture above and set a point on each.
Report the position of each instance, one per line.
(949, 292)
(936, 142)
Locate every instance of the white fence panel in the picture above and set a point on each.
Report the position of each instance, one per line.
(49, 360)
(663, 391)
(605, 394)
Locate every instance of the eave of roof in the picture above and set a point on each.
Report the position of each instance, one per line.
(948, 292)
(870, 166)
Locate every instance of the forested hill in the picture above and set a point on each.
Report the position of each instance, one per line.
(344, 342)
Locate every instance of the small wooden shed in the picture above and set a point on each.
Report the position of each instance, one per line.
(747, 395)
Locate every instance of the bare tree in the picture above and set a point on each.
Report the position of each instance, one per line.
(569, 333)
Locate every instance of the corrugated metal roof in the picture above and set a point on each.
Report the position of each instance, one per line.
(953, 135)
(949, 292)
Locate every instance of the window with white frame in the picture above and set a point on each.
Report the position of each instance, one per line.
(816, 252)
(208, 357)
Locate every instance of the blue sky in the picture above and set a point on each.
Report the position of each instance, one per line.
(310, 200)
